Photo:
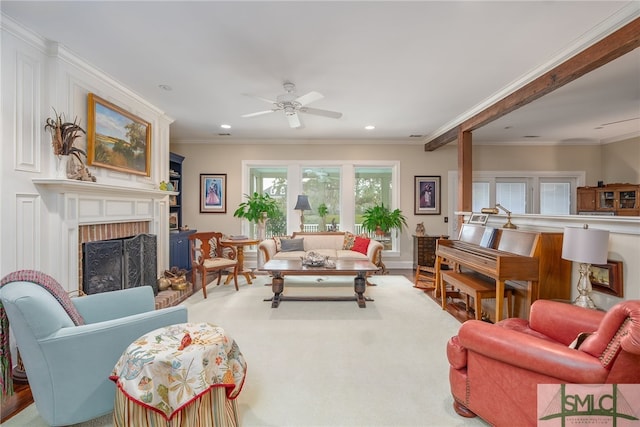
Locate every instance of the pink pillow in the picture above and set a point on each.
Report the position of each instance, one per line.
(361, 245)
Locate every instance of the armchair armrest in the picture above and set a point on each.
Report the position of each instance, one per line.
(524, 351)
(562, 322)
(97, 347)
(374, 251)
(229, 250)
(112, 305)
(268, 248)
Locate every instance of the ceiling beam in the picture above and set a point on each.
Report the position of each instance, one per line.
(606, 50)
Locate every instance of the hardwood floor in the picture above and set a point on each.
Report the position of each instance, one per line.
(16, 403)
(22, 396)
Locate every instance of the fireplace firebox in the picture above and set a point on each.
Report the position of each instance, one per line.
(114, 264)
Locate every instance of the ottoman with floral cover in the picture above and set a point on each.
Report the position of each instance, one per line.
(186, 374)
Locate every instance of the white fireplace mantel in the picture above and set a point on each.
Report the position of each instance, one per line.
(77, 203)
(75, 186)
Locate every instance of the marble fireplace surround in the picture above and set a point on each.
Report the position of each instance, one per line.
(80, 211)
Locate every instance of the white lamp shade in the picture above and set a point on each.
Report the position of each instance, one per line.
(585, 245)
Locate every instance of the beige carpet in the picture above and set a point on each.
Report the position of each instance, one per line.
(331, 363)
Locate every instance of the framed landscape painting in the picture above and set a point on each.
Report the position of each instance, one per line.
(426, 195)
(607, 278)
(213, 193)
(117, 139)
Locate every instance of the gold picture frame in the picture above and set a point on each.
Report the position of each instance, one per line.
(117, 139)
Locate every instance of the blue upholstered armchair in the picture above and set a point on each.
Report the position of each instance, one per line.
(68, 366)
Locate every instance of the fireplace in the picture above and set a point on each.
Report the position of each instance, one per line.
(121, 263)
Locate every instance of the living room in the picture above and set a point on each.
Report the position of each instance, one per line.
(42, 216)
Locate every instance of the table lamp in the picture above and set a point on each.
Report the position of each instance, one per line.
(302, 205)
(586, 246)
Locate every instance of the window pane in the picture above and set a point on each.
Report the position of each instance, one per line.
(322, 186)
(272, 181)
(512, 195)
(480, 196)
(555, 198)
(373, 187)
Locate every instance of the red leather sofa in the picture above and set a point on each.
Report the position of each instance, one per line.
(495, 368)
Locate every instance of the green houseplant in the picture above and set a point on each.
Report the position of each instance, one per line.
(257, 207)
(323, 210)
(382, 220)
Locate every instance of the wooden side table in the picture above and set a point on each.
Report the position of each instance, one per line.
(240, 244)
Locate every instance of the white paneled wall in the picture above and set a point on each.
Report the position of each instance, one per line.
(39, 216)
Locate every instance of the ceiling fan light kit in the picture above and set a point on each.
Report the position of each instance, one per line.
(292, 104)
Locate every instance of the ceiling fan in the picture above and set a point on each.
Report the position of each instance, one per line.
(292, 104)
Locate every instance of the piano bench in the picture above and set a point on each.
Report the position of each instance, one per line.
(473, 285)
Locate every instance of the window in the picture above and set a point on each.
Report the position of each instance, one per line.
(512, 195)
(547, 193)
(373, 187)
(322, 186)
(555, 198)
(481, 193)
(272, 181)
(345, 189)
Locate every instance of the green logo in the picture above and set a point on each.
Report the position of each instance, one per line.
(585, 402)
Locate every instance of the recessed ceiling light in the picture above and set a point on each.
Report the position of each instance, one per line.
(370, 127)
(225, 126)
(165, 87)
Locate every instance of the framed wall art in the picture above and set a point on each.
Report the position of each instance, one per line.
(427, 195)
(173, 220)
(213, 193)
(478, 218)
(607, 278)
(117, 139)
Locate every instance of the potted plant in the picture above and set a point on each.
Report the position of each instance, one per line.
(382, 220)
(258, 208)
(323, 210)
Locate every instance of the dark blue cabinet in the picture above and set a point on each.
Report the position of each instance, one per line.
(179, 249)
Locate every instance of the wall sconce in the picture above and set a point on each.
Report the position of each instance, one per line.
(495, 210)
(586, 246)
(302, 205)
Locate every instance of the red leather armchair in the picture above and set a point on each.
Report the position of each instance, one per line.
(495, 368)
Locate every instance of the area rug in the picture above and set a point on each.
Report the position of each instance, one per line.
(327, 363)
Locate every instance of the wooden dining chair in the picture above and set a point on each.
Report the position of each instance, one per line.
(210, 254)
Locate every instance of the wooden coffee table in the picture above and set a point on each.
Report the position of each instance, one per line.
(280, 268)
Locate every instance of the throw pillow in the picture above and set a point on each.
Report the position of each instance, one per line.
(292, 245)
(349, 239)
(361, 245)
(278, 240)
(579, 339)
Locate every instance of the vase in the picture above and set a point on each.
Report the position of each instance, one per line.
(62, 164)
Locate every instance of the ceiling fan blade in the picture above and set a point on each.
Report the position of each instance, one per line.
(317, 112)
(269, 101)
(259, 113)
(309, 98)
(294, 120)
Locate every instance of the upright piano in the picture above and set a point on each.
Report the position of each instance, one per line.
(530, 260)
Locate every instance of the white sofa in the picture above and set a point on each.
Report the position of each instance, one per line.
(331, 244)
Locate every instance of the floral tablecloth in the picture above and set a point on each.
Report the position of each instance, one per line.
(170, 367)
